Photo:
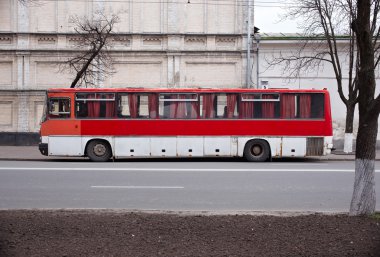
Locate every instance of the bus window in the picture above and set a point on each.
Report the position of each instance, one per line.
(259, 106)
(270, 106)
(208, 106)
(226, 106)
(138, 106)
(59, 108)
(143, 109)
(246, 106)
(153, 105)
(123, 109)
(178, 106)
(317, 106)
(221, 105)
(310, 106)
(232, 106)
(288, 106)
(95, 105)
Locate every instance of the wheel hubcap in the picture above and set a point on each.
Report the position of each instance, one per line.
(256, 150)
(99, 150)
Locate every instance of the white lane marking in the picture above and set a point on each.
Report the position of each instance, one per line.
(175, 169)
(299, 164)
(138, 187)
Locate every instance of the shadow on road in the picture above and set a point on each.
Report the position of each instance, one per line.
(184, 160)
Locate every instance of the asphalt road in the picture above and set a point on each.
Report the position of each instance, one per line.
(180, 185)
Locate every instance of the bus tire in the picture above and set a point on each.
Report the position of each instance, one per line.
(257, 150)
(98, 150)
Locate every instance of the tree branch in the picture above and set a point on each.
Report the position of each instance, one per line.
(93, 58)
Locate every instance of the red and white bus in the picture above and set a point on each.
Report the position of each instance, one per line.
(137, 122)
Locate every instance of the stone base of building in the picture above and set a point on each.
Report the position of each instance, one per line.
(19, 138)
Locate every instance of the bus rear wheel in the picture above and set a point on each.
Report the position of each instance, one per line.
(98, 151)
(257, 151)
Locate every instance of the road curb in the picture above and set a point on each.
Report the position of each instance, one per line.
(56, 158)
(277, 213)
(42, 158)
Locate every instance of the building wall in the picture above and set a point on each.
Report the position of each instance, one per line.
(320, 77)
(160, 44)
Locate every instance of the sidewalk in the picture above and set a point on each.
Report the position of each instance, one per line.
(27, 153)
(32, 153)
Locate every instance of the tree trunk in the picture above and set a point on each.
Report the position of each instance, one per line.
(364, 198)
(86, 65)
(348, 136)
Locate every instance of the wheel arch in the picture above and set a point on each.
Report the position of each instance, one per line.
(87, 141)
(264, 141)
(273, 142)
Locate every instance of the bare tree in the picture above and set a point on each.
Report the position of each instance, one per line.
(365, 24)
(364, 58)
(30, 2)
(25, 1)
(93, 62)
(325, 21)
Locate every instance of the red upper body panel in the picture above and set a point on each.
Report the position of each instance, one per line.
(190, 127)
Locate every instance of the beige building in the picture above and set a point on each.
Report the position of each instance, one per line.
(161, 44)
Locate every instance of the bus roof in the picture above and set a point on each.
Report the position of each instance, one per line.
(184, 90)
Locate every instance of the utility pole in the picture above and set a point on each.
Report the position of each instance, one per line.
(248, 70)
(257, 39)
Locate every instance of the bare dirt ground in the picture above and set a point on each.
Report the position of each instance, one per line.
(118, 233)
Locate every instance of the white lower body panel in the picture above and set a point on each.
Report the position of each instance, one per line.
(130, 146)
(183, 146)
(65, 146)
(190, 146)
(163, 146)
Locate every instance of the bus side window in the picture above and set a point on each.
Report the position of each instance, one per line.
(123, 107)
(317, 106)
(221, 106)
(259, 106)
(288, 106)
(247, 108)
(208, 106)
(138, 105)
(311, 106)
(143, 107)
(232, 106)
(178, 106)
(226, 106)
(270, 107)
(95, 105)
(59, 108)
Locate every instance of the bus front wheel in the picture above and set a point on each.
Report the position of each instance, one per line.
(257, 151)
(98, 151)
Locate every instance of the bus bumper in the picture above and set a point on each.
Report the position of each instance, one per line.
(43, 147)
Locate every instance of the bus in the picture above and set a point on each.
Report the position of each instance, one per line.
(257, 124)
